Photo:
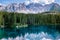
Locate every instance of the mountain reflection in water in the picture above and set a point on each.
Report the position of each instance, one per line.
(33, 32)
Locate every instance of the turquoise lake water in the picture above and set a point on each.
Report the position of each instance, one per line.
(32, 32)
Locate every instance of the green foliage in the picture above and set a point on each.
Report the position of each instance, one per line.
(10, 20)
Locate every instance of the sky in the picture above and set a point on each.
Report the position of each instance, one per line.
(5, 2)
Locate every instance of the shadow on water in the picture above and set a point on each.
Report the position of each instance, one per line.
(50, 29)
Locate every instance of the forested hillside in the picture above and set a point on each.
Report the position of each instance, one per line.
(12, 19)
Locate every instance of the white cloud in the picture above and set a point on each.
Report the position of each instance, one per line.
(40, 1)
(0, 4)
(35, 1)
(27, 2)
(48, 1)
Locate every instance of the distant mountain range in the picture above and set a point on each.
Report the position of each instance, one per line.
(31, 8)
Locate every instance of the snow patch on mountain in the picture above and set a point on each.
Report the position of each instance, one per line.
(30, 8)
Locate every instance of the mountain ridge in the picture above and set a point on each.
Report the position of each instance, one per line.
(31, 8)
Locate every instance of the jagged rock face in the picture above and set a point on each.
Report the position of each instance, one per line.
(31, 8)
(35, 7)
(14, 7)
(2, 8)
(55, 7)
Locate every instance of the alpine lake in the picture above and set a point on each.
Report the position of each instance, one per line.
(31, 32)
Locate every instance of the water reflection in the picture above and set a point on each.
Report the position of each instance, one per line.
(32, 36)
(33, 32)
